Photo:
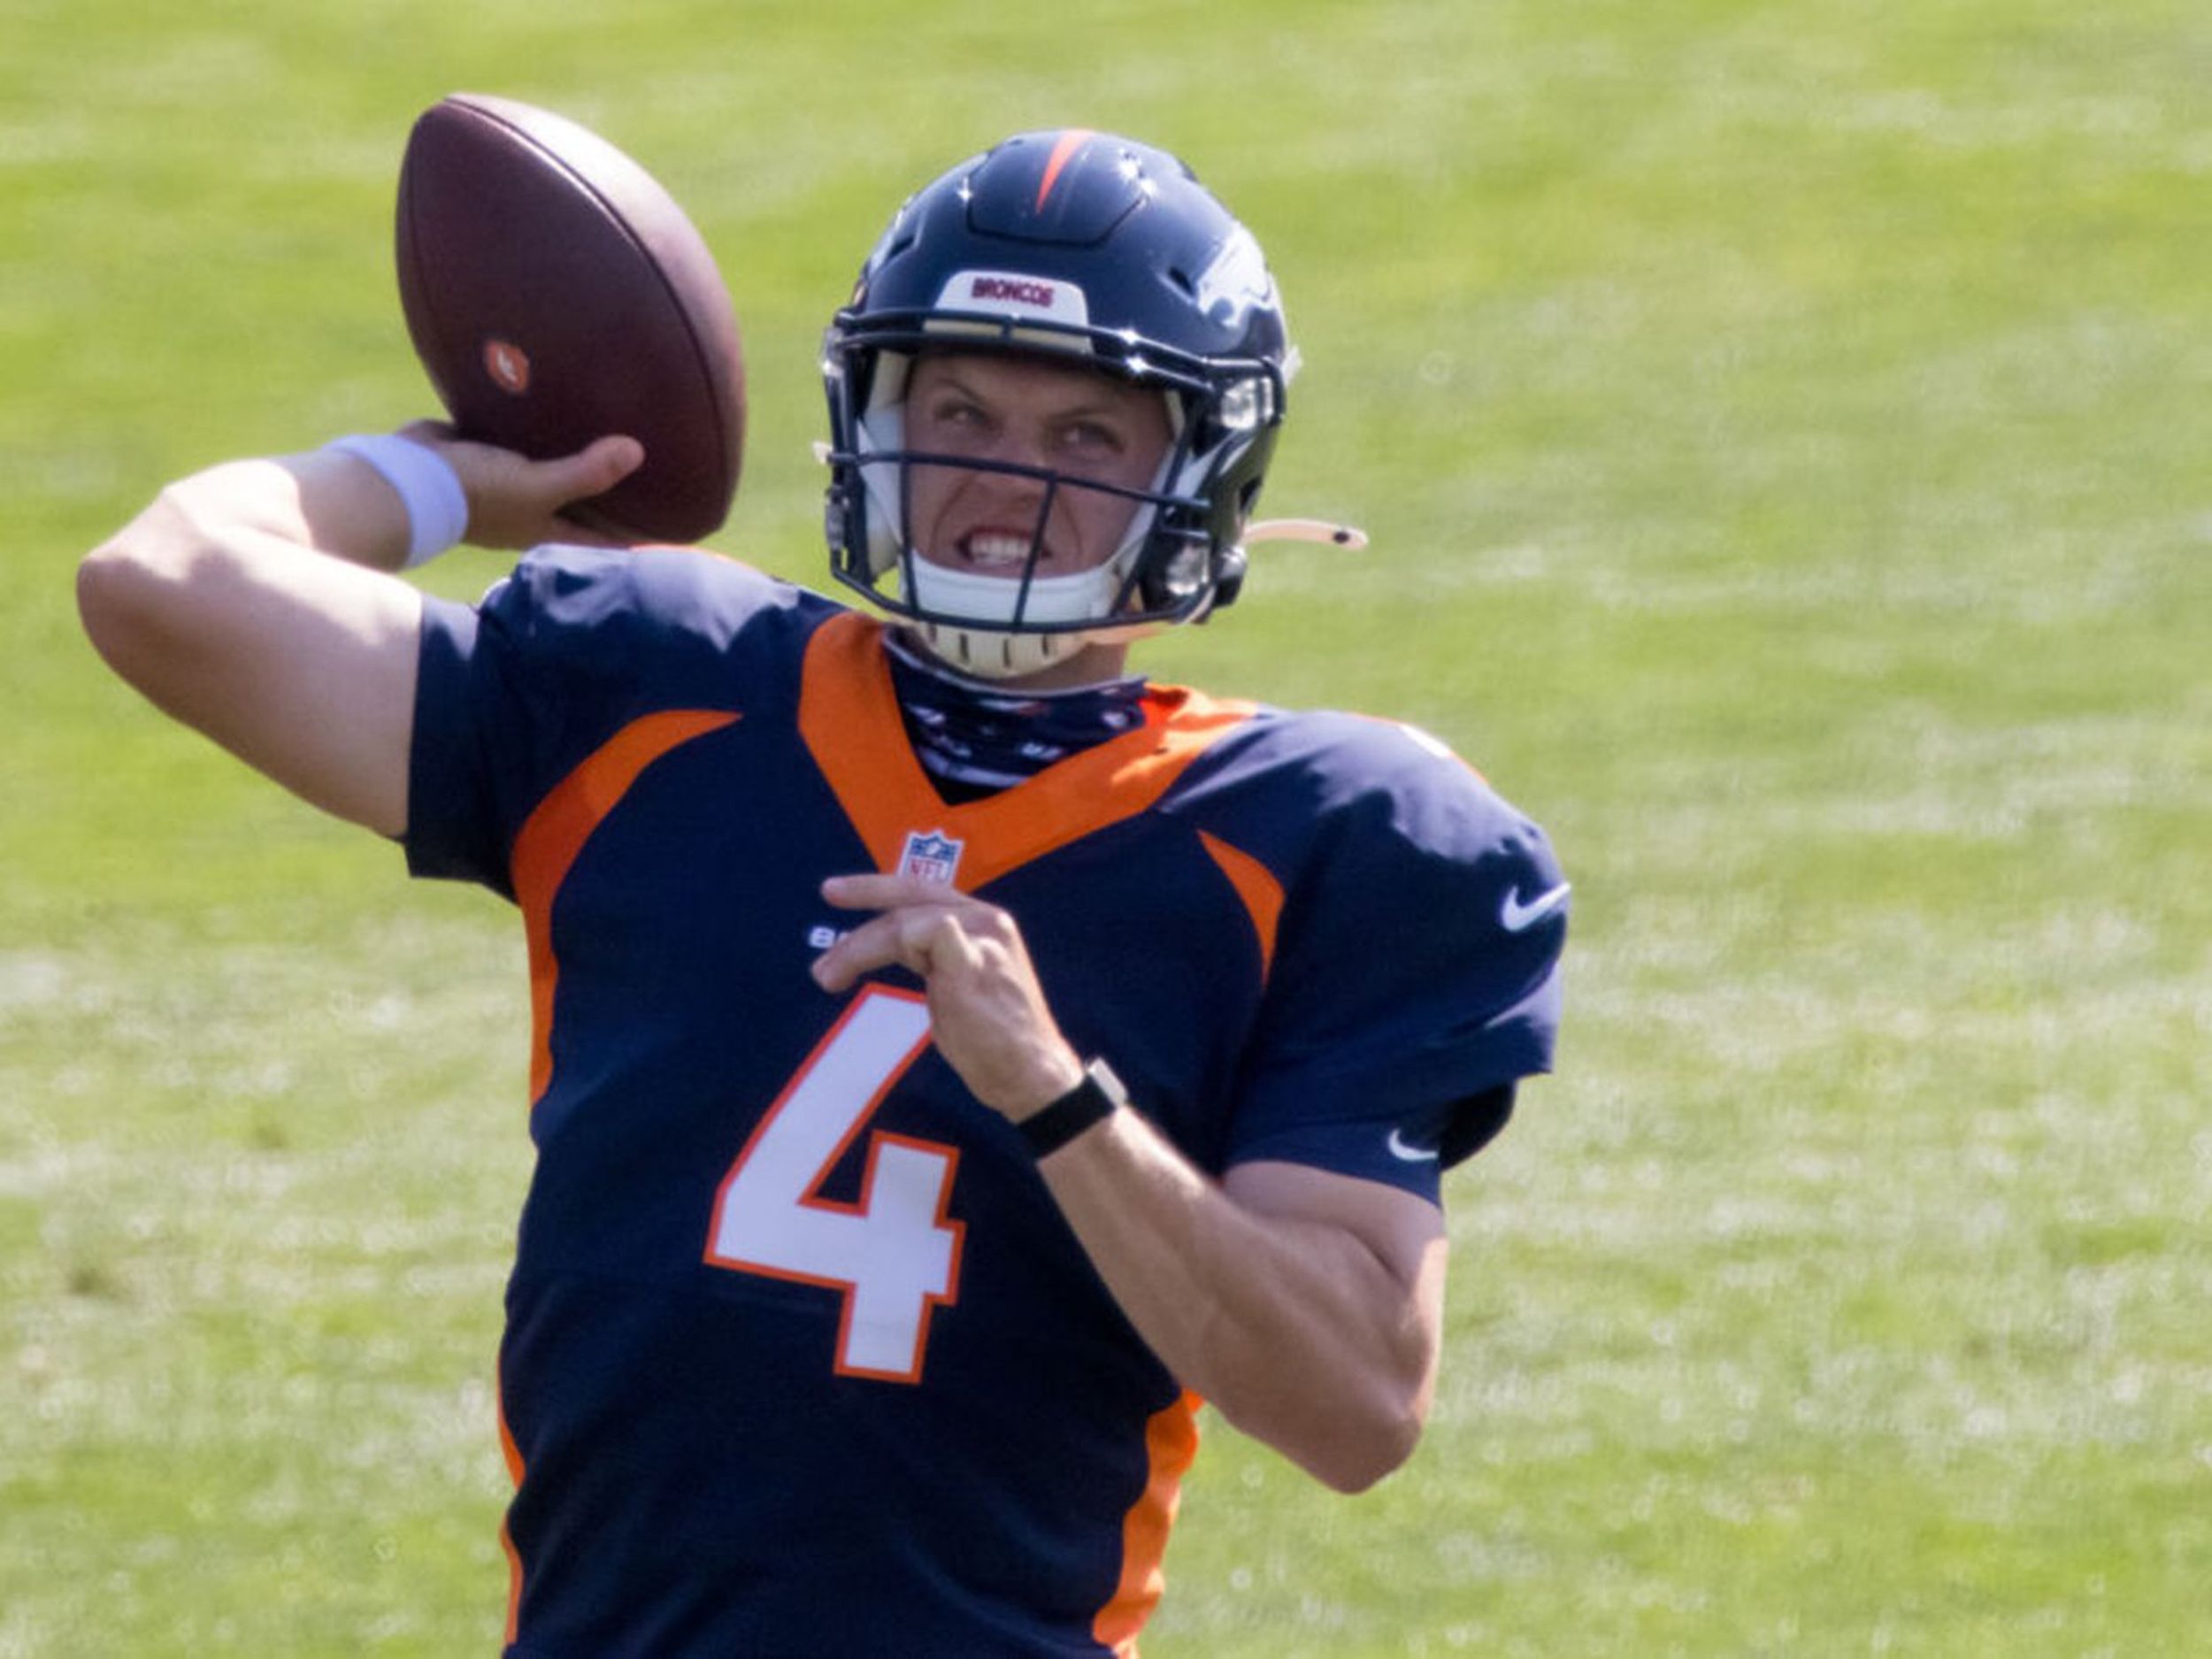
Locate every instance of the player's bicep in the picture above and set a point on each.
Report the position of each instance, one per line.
(300, 664)
(1404, 1233)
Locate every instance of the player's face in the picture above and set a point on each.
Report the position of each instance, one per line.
(1086, 427)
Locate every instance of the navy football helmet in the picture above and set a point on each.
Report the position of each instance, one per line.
(1101, 250)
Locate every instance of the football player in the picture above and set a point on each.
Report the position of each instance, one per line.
(955, 1057)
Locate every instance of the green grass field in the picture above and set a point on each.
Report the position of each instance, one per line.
(1785, 434)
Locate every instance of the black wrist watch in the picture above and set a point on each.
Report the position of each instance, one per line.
(1093, 1100)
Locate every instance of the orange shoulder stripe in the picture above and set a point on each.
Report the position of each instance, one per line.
(1257, 886)
(556, 832)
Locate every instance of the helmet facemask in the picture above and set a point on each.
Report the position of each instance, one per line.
(1013, 617)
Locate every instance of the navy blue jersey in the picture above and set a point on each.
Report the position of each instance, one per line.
(801, 1357)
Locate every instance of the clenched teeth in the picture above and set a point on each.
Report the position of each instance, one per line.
(989, 549)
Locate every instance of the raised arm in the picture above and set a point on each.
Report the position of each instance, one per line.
(255, 603)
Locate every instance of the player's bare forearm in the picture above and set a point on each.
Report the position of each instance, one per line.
(1306, 1306)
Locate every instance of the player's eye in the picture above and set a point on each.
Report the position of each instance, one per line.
(1091, 437)
(960, 423)
(959, 412)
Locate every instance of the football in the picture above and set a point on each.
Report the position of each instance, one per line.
(555, 293)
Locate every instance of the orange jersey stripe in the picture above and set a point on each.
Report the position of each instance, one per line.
(506, 1538)
(1257, 886)
(848, 717)
(556, 832)
(1171, 1445)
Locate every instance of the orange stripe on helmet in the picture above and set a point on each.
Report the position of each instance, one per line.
(1064, 152)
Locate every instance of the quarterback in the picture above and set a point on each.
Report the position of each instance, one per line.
(954, 1056)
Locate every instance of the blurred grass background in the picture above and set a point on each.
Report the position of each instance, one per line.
(1784, 430)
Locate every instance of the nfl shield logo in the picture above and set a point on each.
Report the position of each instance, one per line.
(934, 856)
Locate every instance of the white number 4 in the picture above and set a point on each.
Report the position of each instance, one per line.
(895, 1254)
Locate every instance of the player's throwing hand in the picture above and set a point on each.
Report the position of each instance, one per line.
(986, 1011)
(516, 501)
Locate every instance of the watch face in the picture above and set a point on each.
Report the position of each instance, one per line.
(1103, 1074)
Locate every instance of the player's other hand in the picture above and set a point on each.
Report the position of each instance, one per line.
(986, 1011)
(515, 502)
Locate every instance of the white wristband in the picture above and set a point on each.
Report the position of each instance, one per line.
(437, 507)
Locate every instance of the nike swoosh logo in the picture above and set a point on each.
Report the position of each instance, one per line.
(1410, 1154)
(1517, 915)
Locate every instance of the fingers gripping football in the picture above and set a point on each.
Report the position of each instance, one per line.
(987, 1011)
(515, 502)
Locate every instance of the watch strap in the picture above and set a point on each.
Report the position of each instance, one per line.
(1090, 1103)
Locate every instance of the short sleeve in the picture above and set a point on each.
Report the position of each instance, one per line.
(1417, 978)
(513, 694)
(452, 828)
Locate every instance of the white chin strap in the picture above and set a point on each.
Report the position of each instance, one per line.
(995, 653)
(992, 654)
